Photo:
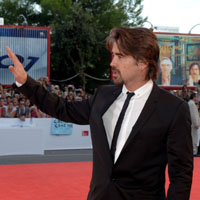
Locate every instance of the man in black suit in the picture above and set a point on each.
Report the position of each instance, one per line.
(136, 127)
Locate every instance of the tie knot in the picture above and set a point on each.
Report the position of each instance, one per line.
(130, 94)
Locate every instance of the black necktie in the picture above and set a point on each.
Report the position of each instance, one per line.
(119, 123)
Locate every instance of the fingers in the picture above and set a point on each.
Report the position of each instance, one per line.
(10, 53)
(17, 70)
(12, 56)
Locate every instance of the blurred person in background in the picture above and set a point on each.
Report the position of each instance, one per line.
(86, 96)
(1, 89)
(17, 96)
(179, 93)
(52, 88)
(5, 92)
(3, 96)
(8, 100)
(64, 95)
(27, 103)
(71, 88)
(82, 92)
(10, 110)
(56, 89)
(195, 121)
(70, 97)
(15, 102)
(185, 93)
(2, 102)
(2, 107)
(9, 92)
(78, 96)
(65, 92)
(46, 83)
(22, 111)
(198, 91)
(36, 113)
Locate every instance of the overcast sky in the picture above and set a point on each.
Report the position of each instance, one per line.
(174, 13)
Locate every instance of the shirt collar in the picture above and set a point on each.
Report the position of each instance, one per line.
(146, 88)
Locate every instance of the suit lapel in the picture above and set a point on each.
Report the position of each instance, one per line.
(148, 109)
(109, 97)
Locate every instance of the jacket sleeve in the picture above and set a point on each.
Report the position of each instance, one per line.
(77, 112)
(180, 155)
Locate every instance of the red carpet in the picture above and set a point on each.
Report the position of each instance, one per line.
(57, 181)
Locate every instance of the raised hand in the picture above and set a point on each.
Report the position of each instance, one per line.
(17, 70)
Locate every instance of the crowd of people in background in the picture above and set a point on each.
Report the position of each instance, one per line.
(184, 93)
(15, 105)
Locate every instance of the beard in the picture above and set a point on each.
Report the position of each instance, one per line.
(117, 78)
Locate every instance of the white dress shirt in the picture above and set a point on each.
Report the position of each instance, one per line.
(133, 111)
(18, 84)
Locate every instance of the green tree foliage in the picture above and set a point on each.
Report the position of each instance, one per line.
(74, 39)
(78, 31)
(12, 9)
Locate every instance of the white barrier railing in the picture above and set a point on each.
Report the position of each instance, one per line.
(34, 136)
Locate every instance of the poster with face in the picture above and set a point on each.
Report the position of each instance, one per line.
(179, 59)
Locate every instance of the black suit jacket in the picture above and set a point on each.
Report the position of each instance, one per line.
(161, 136)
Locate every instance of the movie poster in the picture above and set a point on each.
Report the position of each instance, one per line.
(179, 59)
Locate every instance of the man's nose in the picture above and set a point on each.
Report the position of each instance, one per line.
(113, 62)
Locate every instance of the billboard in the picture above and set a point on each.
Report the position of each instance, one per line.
(32, 47)
(179, 59)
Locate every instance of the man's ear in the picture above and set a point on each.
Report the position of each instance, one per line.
(142, 65)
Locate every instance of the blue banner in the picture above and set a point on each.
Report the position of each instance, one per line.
(30, 45)
(61, 128)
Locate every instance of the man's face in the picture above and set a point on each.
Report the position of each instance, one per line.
(125, 68)
(194, 71)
